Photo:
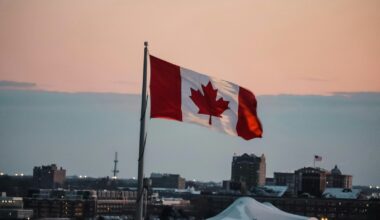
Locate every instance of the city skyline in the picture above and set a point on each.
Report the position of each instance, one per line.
(70, 79)
(297, 81)
(82, 131)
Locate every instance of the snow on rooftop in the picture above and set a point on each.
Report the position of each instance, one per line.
(341, 193)
(267, 190)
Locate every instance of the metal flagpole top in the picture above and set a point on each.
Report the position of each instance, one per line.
(146, 43)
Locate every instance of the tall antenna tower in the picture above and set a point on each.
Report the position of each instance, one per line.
(115, 170)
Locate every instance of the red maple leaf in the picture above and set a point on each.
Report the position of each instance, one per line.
(207, 103)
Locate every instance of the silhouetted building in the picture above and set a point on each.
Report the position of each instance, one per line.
(336, 179)
(310, 180)
(16, 186)
(249, 169)
(48, 177)
(167, 181)
(285, 179)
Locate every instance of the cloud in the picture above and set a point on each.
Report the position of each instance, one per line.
(17, 85)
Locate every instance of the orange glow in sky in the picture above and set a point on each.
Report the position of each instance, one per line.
(269, 47)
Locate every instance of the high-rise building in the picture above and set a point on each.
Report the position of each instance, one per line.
(249, 169)
(48, 177)
(310, 180)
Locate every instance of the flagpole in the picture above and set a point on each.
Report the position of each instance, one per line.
(140, 187)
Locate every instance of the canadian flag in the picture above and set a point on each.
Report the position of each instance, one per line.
(184, 95)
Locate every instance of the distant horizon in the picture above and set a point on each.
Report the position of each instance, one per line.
(186, 179)
(35, 88)
(40, 128)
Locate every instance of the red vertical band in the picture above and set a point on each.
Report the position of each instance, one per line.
(248, 125)
(165, 90)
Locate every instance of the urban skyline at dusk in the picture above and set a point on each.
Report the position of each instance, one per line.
(71, 73)
(82, 131)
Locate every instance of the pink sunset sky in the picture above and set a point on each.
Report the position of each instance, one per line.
(269, 47)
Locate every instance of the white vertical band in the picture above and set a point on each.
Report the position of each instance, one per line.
(226, 90)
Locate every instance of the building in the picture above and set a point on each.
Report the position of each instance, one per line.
(310, 181)
(12, 208)
(249, 169)
(48, 177)
(335, 179)
(80, 204)
(285, 179)
(112, 202)
(50, 203)
(174, 181)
